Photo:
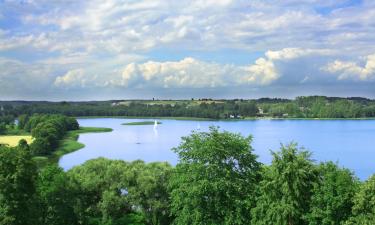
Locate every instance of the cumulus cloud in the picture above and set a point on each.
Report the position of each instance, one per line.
(190, 73)
(353, 70)
(120, 44)
(186, 73)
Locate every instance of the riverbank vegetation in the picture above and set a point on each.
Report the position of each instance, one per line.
(49, 136)
(218, 180)
(300, 107)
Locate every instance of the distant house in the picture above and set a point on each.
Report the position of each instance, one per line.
(231, 116)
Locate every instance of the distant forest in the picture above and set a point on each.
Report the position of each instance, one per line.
(300, 107)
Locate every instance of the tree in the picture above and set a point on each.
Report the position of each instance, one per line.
(22, 121)
(332, 195)
(17, 186)
(55, 197)
(215, 180)
(3, 128)
(113, 191)
(364, 204)
(286, 188)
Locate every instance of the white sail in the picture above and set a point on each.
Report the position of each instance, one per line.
(155, 124)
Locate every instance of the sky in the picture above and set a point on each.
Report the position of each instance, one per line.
(167, 49)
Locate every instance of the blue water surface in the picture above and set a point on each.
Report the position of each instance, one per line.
(350, 143)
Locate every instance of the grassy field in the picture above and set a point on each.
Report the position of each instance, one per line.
(68, 144)
(141, 123)
(12, 140)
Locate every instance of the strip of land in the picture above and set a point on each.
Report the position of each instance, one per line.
(68, 144)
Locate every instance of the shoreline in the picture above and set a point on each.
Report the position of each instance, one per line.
(68, 145)
(211, 119)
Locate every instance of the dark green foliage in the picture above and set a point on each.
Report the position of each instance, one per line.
(301, 107)
(332, 198)
(17, 186)
(364, 204)
(56, 197)
(47, 130)
(111, 191)
(215, 180)
(3, 128)
(286, 189)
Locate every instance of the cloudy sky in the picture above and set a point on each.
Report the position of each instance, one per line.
(121, 49)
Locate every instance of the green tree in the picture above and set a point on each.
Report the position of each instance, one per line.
(3, 128)
(215, 180)
(17, 186)
(332, 197)
(55, 197)
(364, 204)
(285, 191)
(113, 191)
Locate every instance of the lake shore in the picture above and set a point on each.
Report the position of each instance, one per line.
(210, 119)
(68, 144)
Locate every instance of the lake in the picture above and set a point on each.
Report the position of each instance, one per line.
(351, 143)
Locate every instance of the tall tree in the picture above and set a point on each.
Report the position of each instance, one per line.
(285, 191)
(215, 180)
(332, 198)
(364, 204)
(17, 186)
(56, 197)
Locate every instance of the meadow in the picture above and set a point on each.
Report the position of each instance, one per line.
(12, 140)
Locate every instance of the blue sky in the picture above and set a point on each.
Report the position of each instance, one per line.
(121, 49)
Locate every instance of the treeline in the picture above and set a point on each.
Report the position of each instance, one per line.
(47, 130)
(5, 122)
(301, 107)
(218, 180)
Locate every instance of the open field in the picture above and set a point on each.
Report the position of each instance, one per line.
(12, 140)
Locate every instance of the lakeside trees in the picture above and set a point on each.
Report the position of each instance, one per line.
(215, 180)
(301, 107)
(218, 180)
(286, 188)
(47, 130)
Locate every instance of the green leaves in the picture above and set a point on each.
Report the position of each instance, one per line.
(364, 204)
(332, 197)
(17, 186)
(214, 182)
(285, 191)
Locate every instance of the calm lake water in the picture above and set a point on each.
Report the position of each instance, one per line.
(351, 143)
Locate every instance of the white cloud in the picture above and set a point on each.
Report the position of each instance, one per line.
(352, 70)
(189, 73)
(72, 78)
(186, 73)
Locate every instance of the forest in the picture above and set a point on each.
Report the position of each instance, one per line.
(300, 107)
(218, 180)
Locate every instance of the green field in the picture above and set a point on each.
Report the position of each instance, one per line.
(141, 123)
(12, 140)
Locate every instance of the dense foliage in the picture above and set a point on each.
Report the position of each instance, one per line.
(47, 130)
(218, 180)
(215, 180)
(301, 107)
